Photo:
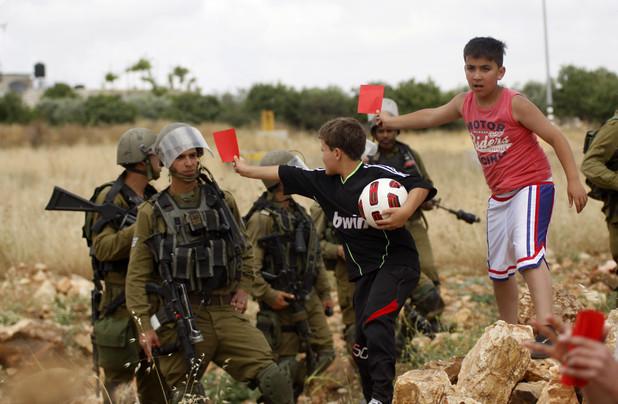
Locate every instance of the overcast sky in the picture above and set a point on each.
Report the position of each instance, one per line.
(231, 44)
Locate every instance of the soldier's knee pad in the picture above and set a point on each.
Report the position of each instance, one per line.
(275, 385)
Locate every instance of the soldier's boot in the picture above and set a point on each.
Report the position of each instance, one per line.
(194, 393)
(428, 305)
(275, 385)
(325, 358)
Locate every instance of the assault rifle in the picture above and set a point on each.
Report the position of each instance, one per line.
(467, 217)
(176, 308)
(63, 200)
(288, 280)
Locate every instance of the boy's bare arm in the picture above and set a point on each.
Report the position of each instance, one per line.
(526, 113)
(270, 173)
(424, 118)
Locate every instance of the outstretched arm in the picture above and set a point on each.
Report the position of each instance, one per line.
(270, 173)
(424, 118)
(397, 217)
(532, 118)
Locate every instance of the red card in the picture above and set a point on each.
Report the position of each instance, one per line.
(589, 323)
(370, 98)
(227, 144)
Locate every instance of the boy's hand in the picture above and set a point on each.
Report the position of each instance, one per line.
(240, 166)
(397, 217)
(577, 194)
(384, 120)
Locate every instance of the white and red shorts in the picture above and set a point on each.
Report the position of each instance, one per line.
(517, 224)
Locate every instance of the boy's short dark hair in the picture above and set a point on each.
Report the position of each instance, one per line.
(485, 47)
(347, 134)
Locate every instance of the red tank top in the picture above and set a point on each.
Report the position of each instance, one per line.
(509, 152)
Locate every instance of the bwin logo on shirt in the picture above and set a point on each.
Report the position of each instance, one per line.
(354, 222)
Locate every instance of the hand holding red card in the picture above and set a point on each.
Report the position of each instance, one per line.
(589, 324)
(227, 144)
(370, 98)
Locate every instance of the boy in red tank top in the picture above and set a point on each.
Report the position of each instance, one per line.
(502, 126)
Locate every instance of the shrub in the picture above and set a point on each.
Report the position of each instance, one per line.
(13, 109)
(106, 109)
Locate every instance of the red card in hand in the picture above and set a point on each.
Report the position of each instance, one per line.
(589, 323)
(370, 98)
(227, 144)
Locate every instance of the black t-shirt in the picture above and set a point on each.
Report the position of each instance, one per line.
(366, 249)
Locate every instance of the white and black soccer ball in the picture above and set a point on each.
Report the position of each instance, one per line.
(378, 195)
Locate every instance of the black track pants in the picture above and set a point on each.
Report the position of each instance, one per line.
(378, 298)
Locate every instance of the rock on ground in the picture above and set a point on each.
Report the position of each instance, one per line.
(422, 387)
(495, 364)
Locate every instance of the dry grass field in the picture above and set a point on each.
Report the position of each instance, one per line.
(79, 159)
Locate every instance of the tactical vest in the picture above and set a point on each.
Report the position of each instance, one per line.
(91, 227)
(291, 250)
(197, 243)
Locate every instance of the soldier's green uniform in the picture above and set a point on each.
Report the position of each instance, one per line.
(329, 245)
(287, 251)
(279, 326)
(119, 353)
(191, 232)
(600, 166)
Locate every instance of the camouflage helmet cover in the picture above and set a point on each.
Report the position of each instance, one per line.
(175, 139)
(283, 158)
(134, 146)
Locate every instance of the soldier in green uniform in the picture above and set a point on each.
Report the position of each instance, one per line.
(425, 298)
(334, 260)
(292, 286)
(189, 240)
(600, 166)
(115, 335)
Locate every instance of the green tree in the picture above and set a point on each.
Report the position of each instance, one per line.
(536, 92)
(591, 95)
(108, 109)
(60, 90)
(318, 105)
(13, 109)
(194, 108)
(411, 95)
(281, 99)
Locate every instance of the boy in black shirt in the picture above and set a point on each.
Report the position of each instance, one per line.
(382, 262)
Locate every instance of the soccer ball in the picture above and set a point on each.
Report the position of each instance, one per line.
(378, 195)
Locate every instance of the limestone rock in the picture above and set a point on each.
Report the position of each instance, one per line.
(450, 366)
(422, 387)
(56, 385)
(555, 393)
(566, 306)
(46, 293)
(594, 298)
(63, 285)
(80, 287)
(455, 399)
(527, 393)
(495, 364)
(541, 370)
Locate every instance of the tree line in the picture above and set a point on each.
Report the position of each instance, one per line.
(590, 95)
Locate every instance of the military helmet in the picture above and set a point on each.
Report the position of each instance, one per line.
(388, 106)
(175, 139)
(280, 158)
(134, 146)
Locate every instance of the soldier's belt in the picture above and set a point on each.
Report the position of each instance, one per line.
(197, 299)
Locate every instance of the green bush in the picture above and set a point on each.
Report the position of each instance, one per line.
(61, 110)
(60, 90)
(194, 108)
(108, 109)
(316, 106)
(13, 109)
(150, 106)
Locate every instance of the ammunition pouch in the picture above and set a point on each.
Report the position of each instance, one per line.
(116, 342)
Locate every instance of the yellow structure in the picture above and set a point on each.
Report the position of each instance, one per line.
(267, 120)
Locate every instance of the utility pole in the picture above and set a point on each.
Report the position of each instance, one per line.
(549, 99)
